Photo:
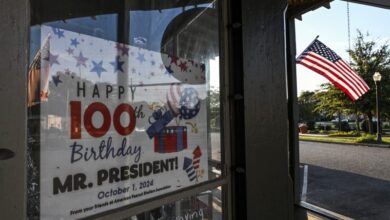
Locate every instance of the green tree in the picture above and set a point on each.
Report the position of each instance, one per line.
(367, 58)
(306, 105)
(332, 101)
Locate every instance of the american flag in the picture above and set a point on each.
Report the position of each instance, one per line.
(324, 61)
(38, 75)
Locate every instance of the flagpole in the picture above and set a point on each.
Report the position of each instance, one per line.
(309, 44)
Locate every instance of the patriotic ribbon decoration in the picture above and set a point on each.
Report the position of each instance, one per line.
(161, 121)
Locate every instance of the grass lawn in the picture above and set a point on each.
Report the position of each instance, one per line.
(385, 140)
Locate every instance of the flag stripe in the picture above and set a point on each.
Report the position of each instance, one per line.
(352, 77)
(364, 84)
(346, 68)
(355, 79)
(45, 69)
(334, 80)
(330, 67)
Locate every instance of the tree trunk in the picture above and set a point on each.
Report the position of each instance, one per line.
(370, 124)
(339, 115)
(357, 124)
(357, 120)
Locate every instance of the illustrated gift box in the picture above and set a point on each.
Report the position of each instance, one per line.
(171, 139)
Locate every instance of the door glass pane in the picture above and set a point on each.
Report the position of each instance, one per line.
(186, 40)
(119, 114)
(204, 206)
(344, 168)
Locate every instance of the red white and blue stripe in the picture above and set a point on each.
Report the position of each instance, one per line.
(189, 168)
(324, 61)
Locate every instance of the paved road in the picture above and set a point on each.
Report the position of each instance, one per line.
(350, 180)
(368, 161)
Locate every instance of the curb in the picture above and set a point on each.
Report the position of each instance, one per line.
(355, 144)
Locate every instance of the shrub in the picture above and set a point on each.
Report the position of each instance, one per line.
(364, 126)
(323, 132)
(344, 126)
(310, 125)
(313, 132)
(345, 134)
(323, 126)
(367, 138)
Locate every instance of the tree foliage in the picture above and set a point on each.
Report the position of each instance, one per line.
(332, 101)
(306, 105)
(367, 58)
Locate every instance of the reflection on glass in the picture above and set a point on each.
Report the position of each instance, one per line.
(205, 206)
(111, 123)
(186, 36)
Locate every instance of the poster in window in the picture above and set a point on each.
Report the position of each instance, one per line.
(116, 126)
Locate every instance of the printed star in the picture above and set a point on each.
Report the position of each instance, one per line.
(70, 51)
(133, 70)
(162, 67)
(141, 57)
(58, 32)
(183, 66)
(81, 60)
(52, 59)
(152, 62)
(123, 48)
(173, 59)
(169, 70)
(56, 80)
(98, 68)
(203, 67)
(74, 42)
(117, 64)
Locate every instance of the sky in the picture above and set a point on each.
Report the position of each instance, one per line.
(332, 27)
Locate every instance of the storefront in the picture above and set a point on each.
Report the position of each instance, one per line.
(136, 110)
(147, 110)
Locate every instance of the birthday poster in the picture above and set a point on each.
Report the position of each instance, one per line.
(119, 124)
